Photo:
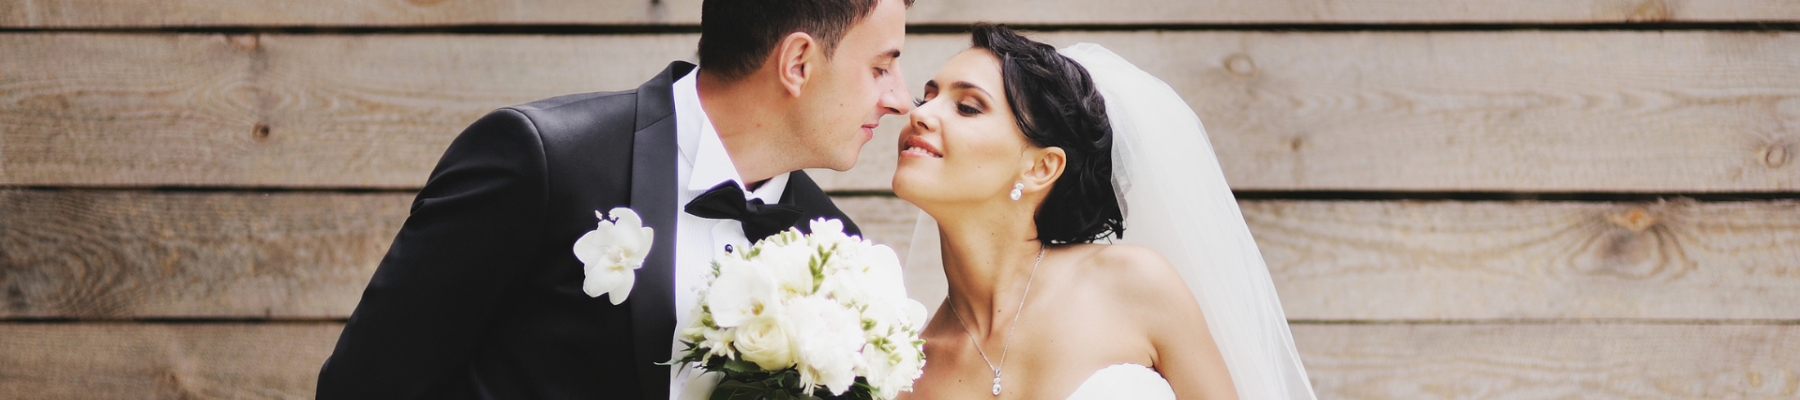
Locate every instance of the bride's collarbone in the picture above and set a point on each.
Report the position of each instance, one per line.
(1060, 341)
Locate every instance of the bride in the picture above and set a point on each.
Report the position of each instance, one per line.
(1026, 157)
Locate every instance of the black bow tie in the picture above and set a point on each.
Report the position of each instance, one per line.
(726, 201)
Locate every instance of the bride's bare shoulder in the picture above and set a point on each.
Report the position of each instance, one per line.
(1136, 274)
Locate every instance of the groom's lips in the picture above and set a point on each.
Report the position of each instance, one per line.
(914, 146)
(868, 131)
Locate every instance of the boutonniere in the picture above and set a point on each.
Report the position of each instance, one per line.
(612, 253)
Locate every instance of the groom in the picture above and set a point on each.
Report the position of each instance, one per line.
(480, 296)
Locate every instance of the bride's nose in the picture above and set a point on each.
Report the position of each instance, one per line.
(923, 118)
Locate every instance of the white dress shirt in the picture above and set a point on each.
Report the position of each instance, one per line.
(704, 163)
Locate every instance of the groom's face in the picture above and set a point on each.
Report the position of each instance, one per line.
(860, 83)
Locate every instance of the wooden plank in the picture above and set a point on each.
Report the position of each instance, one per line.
(189, 13)
(102, 255)
(1431, 111)
(82, 109)
(108, 254)
(194, 13)
(1551, 361)
(1481, 111)
(88, 254)
(1355, 361)
(163, 361)
(1496, 260)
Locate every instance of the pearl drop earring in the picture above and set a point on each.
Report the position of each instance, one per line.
(1018, 190)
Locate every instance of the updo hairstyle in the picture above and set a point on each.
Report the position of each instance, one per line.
(1056, 104)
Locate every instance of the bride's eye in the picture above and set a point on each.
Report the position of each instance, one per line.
(967, 109)
(918, 102)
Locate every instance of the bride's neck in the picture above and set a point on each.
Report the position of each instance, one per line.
(987, 262)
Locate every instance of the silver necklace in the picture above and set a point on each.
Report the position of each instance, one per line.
(1006, 343)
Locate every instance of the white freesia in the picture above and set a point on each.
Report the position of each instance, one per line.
(612, 253)
(892, 372)
(808, 313)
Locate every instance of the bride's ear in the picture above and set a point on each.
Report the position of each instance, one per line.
(1045, 165)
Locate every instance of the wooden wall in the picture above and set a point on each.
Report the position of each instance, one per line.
(1458, 199)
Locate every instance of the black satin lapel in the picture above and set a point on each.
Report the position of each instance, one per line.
(653, 174)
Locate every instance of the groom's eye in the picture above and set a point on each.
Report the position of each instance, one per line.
(881, 72)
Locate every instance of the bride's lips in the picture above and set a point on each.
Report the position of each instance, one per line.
(915, 146)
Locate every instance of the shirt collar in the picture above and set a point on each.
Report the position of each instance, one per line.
(702, 149)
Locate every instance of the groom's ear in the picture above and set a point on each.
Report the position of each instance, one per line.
(795, 59)
(1046, 164)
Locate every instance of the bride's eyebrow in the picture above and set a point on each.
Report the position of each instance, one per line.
(967, 85)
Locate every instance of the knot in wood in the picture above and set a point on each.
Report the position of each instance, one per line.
(1636, 220)
(1650, 11)
(1775, 155)
(260, 131)
(245, 42)
(1240, 65)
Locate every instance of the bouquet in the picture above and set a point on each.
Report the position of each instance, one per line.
(800, 316)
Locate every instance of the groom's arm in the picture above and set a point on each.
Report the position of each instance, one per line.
(473, 228)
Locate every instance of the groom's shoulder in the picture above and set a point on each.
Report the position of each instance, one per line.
(596, 115)
(601, 107)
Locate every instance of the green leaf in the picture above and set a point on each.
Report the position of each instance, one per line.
(741, 366)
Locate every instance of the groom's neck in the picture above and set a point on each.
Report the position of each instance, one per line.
(749, 120)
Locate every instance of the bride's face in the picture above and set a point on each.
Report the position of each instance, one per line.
(962, 143)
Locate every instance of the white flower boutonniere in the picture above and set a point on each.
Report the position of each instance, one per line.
(612, 253)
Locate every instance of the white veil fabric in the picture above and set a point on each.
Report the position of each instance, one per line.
(1176, 202)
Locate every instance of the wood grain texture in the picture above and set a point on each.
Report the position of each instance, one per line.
(103, 255)
(1474, 111)
(1530, 260)
(85, 254)
(1356, 361)
(163, 361)
(1431, 111)
(1551, 361)
(189, 13)
(107, 254)
(254, 110)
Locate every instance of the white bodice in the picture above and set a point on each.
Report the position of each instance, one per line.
(1124, 381)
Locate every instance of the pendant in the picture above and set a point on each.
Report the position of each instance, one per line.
(996, 385)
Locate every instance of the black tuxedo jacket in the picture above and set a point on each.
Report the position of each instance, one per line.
(480, 295)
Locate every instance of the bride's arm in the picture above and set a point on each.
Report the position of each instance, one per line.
(1185, 352)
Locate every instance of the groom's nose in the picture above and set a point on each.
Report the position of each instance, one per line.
(894, 98)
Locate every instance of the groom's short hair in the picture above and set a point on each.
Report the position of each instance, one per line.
(736, 36)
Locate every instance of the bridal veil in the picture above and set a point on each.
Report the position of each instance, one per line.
(1175, 201)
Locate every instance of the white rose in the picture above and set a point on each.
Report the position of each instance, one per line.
(828, 340)
(766, 341)
(611, 254)
(741, 291)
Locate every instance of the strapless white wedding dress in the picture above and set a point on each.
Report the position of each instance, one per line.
(1124, 381)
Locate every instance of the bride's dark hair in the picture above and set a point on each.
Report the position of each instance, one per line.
(1056, 104)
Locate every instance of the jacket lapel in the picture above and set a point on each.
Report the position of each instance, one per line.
(653, 174)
